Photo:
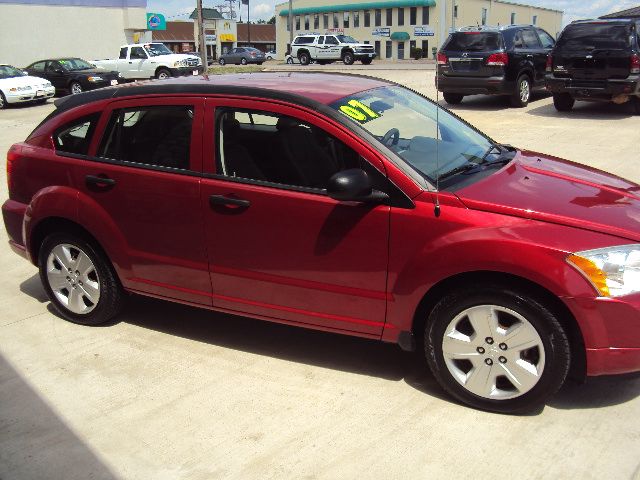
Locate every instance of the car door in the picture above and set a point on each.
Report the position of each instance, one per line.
(142, 178)
(333, 47)
(137, 63)
(56, 74)
(321, 49)
(536, 54)
(283, 251)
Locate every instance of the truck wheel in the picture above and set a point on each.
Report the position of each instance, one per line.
(221, 62)
(563, 102)
(304, 58)
(366, 61)
(243, 61)
(496, 348)
(290, 60)
(75, 88)
(347, 58)
(163, 74)
(452, 98)
(522, 94)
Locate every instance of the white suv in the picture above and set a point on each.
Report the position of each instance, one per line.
(329, 48)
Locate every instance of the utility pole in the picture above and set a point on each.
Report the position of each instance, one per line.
(443, 21)
(203, 48)
(290, 20)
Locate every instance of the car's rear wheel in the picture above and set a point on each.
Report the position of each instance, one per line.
(563, 102)
(163, 74)
(290, 61)
(636, 105)
(304, 58)
(79, 279)
(452, 98)
(3, 101)
(522, 94)
(221, 62)
(348, 58)
(75, 88)
(496, 348)
(243, 61)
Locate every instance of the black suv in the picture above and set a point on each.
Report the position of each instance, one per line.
(507, 60)
(596, 60)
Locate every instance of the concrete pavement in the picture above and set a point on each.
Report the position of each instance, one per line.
(172, 392)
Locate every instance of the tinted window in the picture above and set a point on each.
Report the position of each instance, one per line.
(530, 39)
(159, 136)
(474, 41)
(138, 52)
(7, 71)
(123, 52)
(54, 66)
(274, 148)
(38, 67)
(75, 137)
(320, 40)
(546, 39)
(303, 40)
(330, 40)
(590, 36)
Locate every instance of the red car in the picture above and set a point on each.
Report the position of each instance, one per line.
(339, 203)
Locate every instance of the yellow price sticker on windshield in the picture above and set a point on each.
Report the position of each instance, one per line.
(358, 111)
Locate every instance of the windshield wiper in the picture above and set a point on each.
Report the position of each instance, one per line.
(474, 167)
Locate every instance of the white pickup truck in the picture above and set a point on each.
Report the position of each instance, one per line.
(146, 60)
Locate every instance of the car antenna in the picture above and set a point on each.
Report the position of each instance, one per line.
(436, 209)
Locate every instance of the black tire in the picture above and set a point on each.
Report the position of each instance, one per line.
(221, 62)
(111, 296)
(304, 58)
(520, 97)
(348, 58)
(366, 61)
(243, 61)
(75, 88)
(552, 340)
(636, 105)
(259, 63)
(452, 98)
(563, 102)
(290, 61)
(163, 74)
(3, 101)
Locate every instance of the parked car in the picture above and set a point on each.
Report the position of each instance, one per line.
(270, 55)
(330, 48)
(596, 60)
(506, 60)
(73, 75)
(242, 56)
(290, 60)
(17, 86)
(330, 202)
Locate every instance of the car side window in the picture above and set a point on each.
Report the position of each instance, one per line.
(517, 40)
(530, 39)
(75, 136)
(138, 52)
(320, 40)
(123, 52)
(332, 40)
(53, 67)
(546, 39)
(156, 135)
(38, 67)
(278, 149)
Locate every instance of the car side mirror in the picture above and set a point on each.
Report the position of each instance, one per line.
(354, 185)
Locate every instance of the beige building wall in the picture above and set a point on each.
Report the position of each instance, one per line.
(34, 32)
(469, 12)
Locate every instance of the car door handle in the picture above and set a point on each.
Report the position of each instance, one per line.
(99, 181)
(223, 200)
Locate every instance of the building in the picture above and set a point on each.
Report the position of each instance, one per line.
(178, 37)
(263, 36)
(89, 29)
(394, 27)
(221, 34)
(628, 13)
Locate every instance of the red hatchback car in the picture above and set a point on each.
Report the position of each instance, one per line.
(341, 203)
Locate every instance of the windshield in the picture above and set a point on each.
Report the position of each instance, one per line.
(474, 41)
(75, 64)
(7, 71)
(426, 136)
(155, 49)
(346, 39)
(595, 36)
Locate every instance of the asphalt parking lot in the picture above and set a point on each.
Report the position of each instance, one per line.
(172, 392)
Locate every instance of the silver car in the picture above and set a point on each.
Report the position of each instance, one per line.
(242, 56)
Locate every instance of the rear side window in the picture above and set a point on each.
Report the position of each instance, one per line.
(592, 36)
(474, 41)
(546, 39)
(157, 135)
(530, 39)
(123, 52)
(303, 40)
(75, 136)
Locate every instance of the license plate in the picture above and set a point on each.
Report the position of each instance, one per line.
(195, 72)
(114, 82)
(40, 93)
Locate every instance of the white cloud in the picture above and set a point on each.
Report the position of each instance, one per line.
(262, 10)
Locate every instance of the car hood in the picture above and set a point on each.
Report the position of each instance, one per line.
(25, 81)
(173, 57)
(558, 191)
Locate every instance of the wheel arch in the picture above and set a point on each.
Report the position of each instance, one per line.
(161, 67)
(346, 50)
(578, 366)
(301, 51)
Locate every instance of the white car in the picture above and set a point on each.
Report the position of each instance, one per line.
(291, 60)
(18, 87)
(270, 55)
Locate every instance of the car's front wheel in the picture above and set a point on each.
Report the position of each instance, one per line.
(452, 98)
(221, 62)
(79, 279)
(348, 58)
(75, 88)
(3, 101)
(563, 102)
(243, 61)
(163, 74)
(496, 348)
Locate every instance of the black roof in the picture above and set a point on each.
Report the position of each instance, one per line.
(603, 20)
(628, 13)
(490, 28)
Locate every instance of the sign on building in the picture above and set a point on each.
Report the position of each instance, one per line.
(156, 21)
(210, 39)
(423, 32)
(381, 32)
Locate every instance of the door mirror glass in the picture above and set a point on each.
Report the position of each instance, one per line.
(353, 185)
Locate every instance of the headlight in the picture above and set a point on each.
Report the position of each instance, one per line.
(94, 79)
(613, 271)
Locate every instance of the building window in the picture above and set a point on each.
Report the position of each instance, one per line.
(389, 52)
(297, 22)
(425, 48)
(346, 20)
(425, 15)
(316, 21)
(400, 50)
(389, 16)
(356, 19)
(534, 20)
(367, 18)
(325, 20)
(455, 11)
(377, 48)
(484, 16)
(413, 14)
(412, 45)
(306, 22)
(513, 18)
(378, 19)
(336, 21)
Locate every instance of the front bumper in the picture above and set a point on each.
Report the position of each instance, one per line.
(611, 332)
(365, 55)
(186, 71)
(594, 89)
(474, 85)
(30, 95)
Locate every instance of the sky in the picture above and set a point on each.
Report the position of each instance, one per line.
(264, 9)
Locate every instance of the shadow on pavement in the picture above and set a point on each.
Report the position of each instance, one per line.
(598, 392)
(488, 103)
(35, 442)
(586, 111)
